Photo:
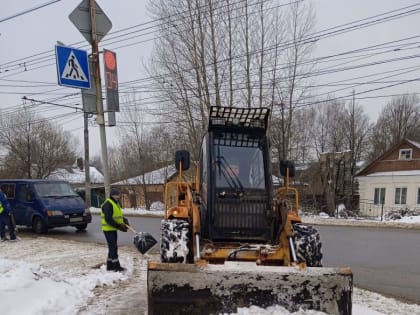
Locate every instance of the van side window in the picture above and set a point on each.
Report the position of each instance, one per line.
(8, 190)
(25, 193)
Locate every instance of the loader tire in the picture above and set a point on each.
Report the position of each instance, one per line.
(307, 244)
(174, 246)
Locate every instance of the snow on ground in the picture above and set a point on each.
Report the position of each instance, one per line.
(45, 276)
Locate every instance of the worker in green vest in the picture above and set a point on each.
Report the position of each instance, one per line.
(112, 220)
(5, 219)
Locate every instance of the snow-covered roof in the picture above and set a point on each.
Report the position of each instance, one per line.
(156, 177)
(75, 175)
(416, 144)
(396, 173)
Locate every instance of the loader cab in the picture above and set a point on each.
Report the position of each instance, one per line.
(236, 182)
(238, 166)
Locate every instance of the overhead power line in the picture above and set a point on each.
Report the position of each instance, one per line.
(314, 36)
(28, 11)
(332, 31)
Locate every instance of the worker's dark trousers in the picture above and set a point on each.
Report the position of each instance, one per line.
(5, 221)
(111, 239)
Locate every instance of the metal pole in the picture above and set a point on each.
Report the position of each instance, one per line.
(100, 115)
(87, 163)
(382, 212)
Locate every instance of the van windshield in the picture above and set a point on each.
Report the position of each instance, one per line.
(54, 190)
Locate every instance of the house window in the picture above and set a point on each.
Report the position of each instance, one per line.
(418, 196)
(406, 154)
(401, 195)
(379, 198)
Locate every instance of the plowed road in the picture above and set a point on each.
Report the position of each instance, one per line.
(382, 259)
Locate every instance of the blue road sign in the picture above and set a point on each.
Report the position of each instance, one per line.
(72, 67)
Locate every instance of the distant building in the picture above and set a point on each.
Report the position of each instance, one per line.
(152, 183)
(76, 177)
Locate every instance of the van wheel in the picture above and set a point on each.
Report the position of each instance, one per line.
(81, 227)
(38, 226)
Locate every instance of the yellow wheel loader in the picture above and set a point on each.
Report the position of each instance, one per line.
(230, 239)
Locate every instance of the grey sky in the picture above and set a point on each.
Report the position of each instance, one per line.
(37, 32)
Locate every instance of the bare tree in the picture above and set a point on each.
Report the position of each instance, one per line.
(220, 52)
(340, 133)
(291, 79)
(301, 148)
(399, 119)
(35, 147)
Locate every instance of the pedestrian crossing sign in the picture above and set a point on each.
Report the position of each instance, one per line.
(72, 67)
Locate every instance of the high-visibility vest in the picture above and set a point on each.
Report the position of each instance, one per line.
(117, 215)
(1, 205)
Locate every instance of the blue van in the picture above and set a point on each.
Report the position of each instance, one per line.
(45, 204)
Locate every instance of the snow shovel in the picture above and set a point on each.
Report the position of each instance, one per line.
(142, 240)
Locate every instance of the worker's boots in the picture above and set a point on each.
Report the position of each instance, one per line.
(109, 265)
(114, 265)
(117, 266)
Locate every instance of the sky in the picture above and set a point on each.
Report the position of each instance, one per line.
(27, 60)
(57, 279)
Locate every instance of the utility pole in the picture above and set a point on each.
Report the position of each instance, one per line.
(99, 107)
(87, 163)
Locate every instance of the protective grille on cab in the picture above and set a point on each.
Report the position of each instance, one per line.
(241, 219)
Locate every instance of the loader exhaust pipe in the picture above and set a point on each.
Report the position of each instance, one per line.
(197, 241)
(292, 249)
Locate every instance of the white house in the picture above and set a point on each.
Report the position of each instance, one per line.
(392, 181)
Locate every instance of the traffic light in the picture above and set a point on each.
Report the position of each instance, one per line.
(111, 81)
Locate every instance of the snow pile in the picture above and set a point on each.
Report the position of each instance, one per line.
(407, 222)
(41, 275)
(45, 276)
(45, 291)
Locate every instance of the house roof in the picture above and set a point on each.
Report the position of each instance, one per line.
(366, 170)
(395, 173)
(156, 177)
(416, 144)
(75, 175)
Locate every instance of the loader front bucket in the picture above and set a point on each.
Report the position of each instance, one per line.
(213, 289)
